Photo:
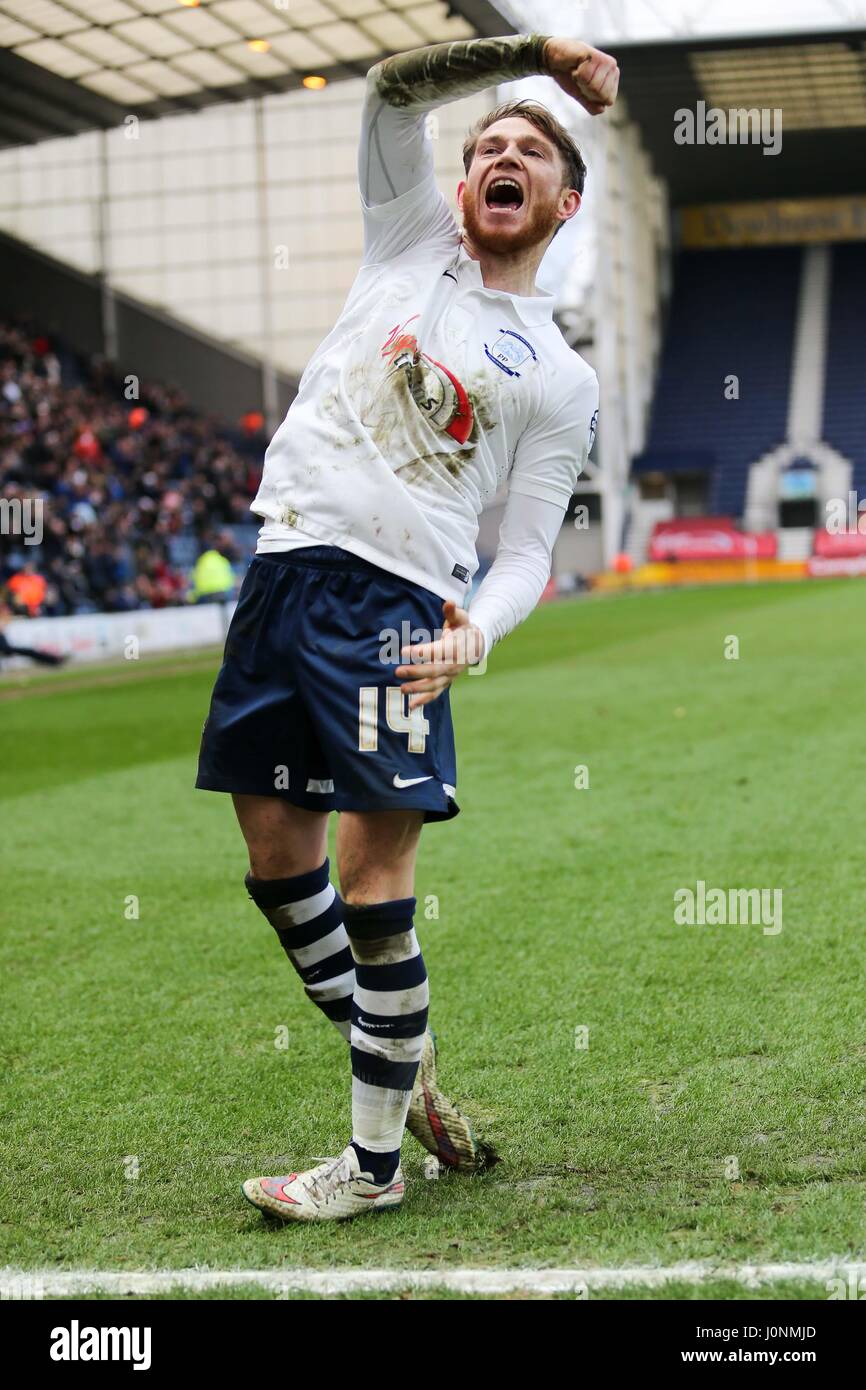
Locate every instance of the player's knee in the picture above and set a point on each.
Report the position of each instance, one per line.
(370, 879)
(355, 893)
(269, 861)
(282, 840)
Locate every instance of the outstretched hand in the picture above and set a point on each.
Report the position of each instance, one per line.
(584, 73)
(435, 665)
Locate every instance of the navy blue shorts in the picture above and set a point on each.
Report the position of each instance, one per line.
(306, 704)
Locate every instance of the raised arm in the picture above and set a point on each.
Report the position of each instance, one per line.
(395, 153)
(395, 156)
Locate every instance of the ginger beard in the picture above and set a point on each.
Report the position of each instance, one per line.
(510, 232)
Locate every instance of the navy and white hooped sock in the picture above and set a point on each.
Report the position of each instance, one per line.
(306, 912)
(389, 1020)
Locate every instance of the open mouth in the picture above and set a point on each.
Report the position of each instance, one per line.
(504, 193)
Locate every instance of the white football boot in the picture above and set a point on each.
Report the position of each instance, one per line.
(435, 1122)
(335, 1190)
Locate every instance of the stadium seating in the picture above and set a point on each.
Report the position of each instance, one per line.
(132, 491)
(731, 313)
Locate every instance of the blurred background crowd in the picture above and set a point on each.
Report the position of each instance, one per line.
(144, 501)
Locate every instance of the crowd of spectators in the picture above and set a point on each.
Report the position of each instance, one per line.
(120, 480)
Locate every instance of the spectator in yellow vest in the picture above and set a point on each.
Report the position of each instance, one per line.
(213, 579)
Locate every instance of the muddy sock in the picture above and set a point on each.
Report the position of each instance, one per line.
(306, 912)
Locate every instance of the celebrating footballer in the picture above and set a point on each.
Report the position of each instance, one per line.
(444, 379)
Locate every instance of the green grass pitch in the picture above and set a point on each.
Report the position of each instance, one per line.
(719, 1109)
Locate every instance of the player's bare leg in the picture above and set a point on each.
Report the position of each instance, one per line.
(282, 840)
(376, 854)
(290, 883)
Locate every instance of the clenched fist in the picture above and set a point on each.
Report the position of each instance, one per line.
(584, 73)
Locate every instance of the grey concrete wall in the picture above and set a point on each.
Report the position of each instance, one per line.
(151, 345)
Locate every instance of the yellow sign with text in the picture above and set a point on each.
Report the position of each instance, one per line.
(782, 222)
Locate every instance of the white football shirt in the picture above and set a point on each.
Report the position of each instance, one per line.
(430, 392)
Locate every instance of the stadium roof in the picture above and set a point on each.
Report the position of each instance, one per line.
(610, 22)
(73, 65)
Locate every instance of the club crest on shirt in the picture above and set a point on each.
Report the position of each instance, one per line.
(510, 351)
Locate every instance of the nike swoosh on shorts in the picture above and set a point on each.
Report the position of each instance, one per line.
(409, 781)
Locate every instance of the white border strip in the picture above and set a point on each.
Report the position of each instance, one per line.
(15, 1283)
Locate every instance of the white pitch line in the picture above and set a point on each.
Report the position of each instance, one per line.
(15, 1283)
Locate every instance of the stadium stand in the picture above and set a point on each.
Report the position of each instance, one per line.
(133, 491)
(845, 394)
(730, 311)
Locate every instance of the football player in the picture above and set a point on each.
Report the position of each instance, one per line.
(444, 378)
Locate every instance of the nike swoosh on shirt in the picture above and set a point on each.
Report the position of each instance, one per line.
(409, 781)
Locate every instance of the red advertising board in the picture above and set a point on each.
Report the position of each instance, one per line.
(709, 538)
(832, 544)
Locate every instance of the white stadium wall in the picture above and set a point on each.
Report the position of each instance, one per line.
(121, 636)
(187, 217)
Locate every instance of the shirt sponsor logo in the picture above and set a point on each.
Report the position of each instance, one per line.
(510, 351)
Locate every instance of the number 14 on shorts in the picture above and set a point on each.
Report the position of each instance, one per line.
(397, 716)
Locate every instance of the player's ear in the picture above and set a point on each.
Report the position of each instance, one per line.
(461, 187)
(569, 203)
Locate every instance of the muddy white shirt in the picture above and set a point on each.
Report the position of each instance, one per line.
(430, 393)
